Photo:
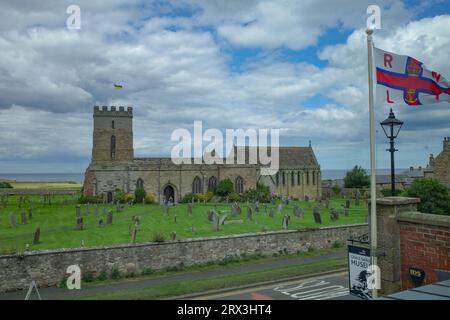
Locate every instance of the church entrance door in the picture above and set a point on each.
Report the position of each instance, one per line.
(169, 194)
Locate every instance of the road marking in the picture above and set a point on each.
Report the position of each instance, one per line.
(313, 290)
(259, 296)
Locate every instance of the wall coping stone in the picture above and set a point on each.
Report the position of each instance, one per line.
(129, 246)
(424, 218)
(396, 201)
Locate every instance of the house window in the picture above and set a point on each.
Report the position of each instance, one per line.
(196, 185)
(212, 183)
(113, 147)
(239, 185)
(140, 184)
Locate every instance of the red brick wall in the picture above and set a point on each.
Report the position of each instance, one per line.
(425, 247)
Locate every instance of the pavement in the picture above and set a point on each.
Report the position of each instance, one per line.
(53, 293)
(326, 287)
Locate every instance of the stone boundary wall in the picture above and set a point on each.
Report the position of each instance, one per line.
(47, 268)
(424, 244)
(38, 192)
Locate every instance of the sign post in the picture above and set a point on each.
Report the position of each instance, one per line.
(358, 274)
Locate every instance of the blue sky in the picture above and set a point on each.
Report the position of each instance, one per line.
(299, 66)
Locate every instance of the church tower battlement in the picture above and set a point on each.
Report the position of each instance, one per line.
(113, 134)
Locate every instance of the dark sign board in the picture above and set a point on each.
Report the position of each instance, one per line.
(358, 263)
(416, 275)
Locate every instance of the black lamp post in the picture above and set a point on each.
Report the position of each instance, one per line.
(391, 127)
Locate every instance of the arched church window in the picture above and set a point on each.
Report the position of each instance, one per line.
(140, 184)
(298, 177)
(196, 185)
(239, 185)
(113, 125)
(292, 179)
(212, 183)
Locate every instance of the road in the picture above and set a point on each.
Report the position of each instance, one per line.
(329, 287)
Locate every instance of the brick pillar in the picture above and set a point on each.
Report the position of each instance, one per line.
(388, 233)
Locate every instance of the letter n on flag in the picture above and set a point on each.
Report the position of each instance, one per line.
(402, 80)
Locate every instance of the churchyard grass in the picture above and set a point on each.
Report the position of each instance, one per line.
(201, 285)
(57, 222)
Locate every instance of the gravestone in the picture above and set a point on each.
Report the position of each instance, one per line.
(100, 222)
(13, 220)
(77, 213)
(249, 213)
(327, 203)
(23, 217)
(317, 217)
(37, 235)
(109, 217)
(210, 215)
(347, 203)
(104, 211)
(95, 211)
(189, 209)
(298, 212)
(79, 223)
(346, 212)
(133, 235)
(271, 213)
(173, 236)
(175, 218)
(216, 222)
(285, 222)
(306, 198)
(280, 208)
(30, 213)
(334, 215)
(222, 219)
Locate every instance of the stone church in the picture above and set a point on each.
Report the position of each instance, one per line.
(114, 167)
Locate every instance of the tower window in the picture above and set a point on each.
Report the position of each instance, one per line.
(113, 147)
(112, 125)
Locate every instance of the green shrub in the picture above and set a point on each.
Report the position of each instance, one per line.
(115, 274)
(260, 194)
(6, 185)
(150, 198)
(88, 276)
(188, 198)
(234, 197)
(120, 196)
(336, 189)
(387, 192)
(434, 197)
(102, 276)
(225, 187)
(90, 199)
(147, 271)
(356, 178)
(158, 237)
(139, 195)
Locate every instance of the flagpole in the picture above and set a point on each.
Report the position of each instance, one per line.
(373, 192)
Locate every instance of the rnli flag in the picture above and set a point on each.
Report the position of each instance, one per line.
(402, 80)
(117, 86)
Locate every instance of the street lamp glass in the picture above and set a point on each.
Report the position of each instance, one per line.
(391, 126)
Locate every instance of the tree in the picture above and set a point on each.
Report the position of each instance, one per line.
(434, 197)
(356, 178)
(224, 188)
(139, 195)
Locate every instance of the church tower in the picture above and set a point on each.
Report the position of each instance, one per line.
(113, 134)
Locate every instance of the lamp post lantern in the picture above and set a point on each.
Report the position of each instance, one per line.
(391, 127)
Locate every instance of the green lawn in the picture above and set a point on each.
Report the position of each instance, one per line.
(57, 222)
(201, 285)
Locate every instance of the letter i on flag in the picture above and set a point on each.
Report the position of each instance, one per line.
(402, 80)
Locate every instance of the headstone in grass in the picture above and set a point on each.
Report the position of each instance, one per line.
(306, 199)
(298, 212)
(249, 213)
(280, 208)
(13, 220)
(173, 236)
(95, 211)
(86, 209)
(77, 212)
(265, 208)
(317, 217)
(256, 207)
(334, 215)
(216, 222)
(285, 222)
(133, 235)
(274, 201)
(327, 203)
(210, 215)
(23, 217)
(100, 222)
(223, 219)
(347, 203)
(189, 209)
(30, 213)
(104, 211)
(271, 213)
(79, 223)
(174, 218)
(109, 217)
(346, 212)
(37, 235)
(342, 210)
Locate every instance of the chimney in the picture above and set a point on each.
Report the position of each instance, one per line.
(446, 144)
(431, 160)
